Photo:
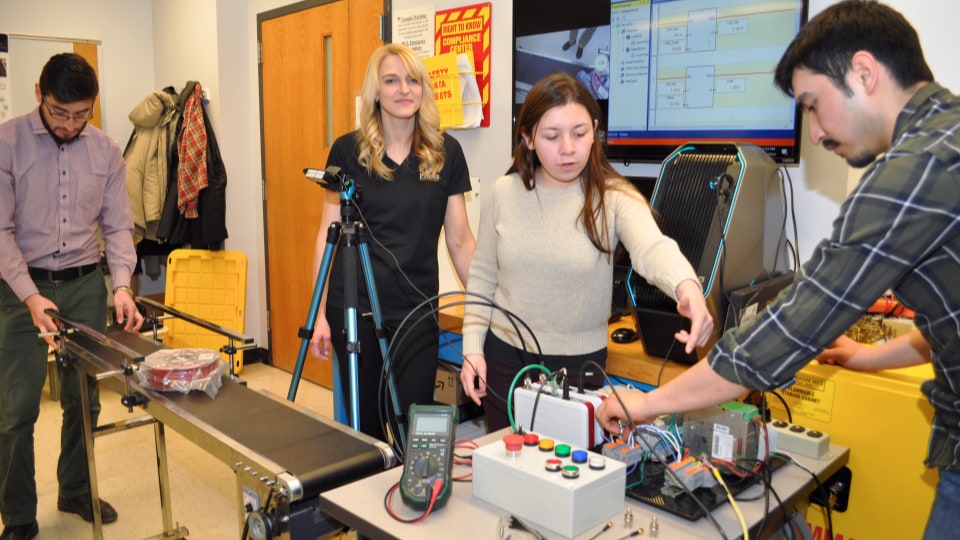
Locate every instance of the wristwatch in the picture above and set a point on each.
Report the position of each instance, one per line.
(123, 288)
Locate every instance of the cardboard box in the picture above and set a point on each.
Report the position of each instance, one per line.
(447, 388)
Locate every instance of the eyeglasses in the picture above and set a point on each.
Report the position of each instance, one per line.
(64, 116)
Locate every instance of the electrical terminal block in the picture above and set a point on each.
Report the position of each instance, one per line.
(658, 451)
(692, 472)
(623, 452)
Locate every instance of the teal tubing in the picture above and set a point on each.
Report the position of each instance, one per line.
(513, 384)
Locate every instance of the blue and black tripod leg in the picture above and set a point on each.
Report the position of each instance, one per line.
(350, 235)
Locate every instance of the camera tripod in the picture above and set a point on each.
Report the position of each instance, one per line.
(351, 236)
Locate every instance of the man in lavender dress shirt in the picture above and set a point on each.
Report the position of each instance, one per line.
(62, 190)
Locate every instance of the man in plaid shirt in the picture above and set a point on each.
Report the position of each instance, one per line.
(858, 71)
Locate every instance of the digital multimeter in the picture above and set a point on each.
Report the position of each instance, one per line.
(429, 455)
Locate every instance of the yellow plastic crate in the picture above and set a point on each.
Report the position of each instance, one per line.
(211, 285)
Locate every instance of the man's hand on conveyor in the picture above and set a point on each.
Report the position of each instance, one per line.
(38, 305)
(126, 309)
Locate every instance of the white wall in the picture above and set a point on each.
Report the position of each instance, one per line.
(149, 44)
(822, 180)
(126, 51)
(214, 42)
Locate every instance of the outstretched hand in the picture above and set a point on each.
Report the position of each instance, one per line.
(692, 305)
(848, 353)
(610, 413)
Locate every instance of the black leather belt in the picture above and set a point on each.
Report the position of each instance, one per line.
(66, 274)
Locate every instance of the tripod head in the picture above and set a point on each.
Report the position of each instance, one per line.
(349, 192)
(333, 176)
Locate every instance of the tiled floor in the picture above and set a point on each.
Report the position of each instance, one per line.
(202, 487)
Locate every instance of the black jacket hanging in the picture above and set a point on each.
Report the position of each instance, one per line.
(208, 230)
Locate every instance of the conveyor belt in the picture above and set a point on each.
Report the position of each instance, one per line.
(320, 454)
(243, 427)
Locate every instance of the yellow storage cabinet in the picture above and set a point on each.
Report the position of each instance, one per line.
(885, 421)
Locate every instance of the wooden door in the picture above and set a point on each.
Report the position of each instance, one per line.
(313, 57)
(91, 53)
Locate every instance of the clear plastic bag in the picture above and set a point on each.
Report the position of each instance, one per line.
(183, 370)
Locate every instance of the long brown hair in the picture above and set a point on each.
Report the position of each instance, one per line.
(556, 90)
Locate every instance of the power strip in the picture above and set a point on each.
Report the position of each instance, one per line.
(797, 439)
(571, 420)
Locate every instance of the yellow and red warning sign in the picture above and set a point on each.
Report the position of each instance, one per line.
(467, 29)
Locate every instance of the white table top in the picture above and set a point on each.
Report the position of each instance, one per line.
(360, 506)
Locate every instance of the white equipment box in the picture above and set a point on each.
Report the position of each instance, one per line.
(572, 420)
(563, 489)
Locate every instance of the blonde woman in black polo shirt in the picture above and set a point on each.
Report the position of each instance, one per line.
(410, 177)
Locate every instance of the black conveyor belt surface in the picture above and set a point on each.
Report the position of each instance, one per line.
(320, 453)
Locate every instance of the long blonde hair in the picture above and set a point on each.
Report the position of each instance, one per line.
(427, 136)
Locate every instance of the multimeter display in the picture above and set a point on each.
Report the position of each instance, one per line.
(430, 423)
(429, 455)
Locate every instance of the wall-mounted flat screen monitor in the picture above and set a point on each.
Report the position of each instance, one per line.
(666, 72)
